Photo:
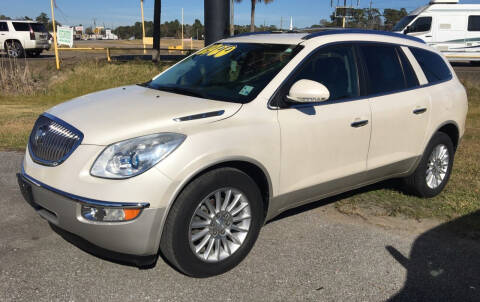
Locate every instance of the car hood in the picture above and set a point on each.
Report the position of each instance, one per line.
(117, 114)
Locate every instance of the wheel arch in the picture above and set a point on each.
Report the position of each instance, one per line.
(451, 129)
(249, 166)
(11, 40)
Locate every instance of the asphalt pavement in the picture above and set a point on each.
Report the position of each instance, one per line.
(310, 254)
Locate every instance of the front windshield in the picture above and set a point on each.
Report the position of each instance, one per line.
(233, 72)
(403, 23)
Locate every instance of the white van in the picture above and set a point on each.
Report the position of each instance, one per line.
(448, 26)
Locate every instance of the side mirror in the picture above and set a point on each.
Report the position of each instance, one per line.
(407, 30)
(307, 91)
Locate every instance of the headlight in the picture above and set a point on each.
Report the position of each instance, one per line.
(135, 156)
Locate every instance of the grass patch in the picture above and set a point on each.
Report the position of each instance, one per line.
(19, 109)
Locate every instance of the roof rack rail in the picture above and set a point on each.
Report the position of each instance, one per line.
(269, 32)
(361, 31)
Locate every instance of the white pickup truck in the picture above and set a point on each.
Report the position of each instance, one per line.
(22, 38)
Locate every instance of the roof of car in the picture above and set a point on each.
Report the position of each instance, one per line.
(292, 37)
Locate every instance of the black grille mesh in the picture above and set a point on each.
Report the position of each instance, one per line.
(51, 142)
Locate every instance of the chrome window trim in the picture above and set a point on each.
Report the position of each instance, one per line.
(84, 200)
(67, 155)
(199, 116)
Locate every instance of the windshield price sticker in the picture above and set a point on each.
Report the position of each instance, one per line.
(217, 50)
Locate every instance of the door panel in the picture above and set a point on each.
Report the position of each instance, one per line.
(399, 124)
(324, 145)
(320, 144)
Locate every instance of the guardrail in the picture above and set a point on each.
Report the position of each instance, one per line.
(109, 49)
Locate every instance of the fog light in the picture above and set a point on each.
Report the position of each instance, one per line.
(109, 214)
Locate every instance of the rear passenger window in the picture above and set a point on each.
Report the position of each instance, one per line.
(20, 26)
(434, 67)
(3, 26)
(474, 23)
(384, 70)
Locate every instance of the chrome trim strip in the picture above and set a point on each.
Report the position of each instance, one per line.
(199, 116)
(66, 125)
(362, 31)
(84, 200)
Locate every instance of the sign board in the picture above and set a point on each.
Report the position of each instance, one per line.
(65, 36)
(343, 11)
(79, 29)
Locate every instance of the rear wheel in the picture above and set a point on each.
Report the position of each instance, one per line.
(15, 49)
(433, 171)
(213, 224)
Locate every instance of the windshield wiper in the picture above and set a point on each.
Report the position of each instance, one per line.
(179, 90)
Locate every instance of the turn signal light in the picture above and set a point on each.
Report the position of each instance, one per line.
(109, 214)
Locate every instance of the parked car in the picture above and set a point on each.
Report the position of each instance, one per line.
(195, 161)
(448, 26)
(23, 38)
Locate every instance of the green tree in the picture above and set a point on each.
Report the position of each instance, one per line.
(27, 18)
(43, 18)
(252, 12)
(392, 16)
(3, 17)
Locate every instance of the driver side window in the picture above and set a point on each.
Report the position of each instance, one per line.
(422, 24)
(335, 67)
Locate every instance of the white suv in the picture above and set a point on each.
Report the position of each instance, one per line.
(195, 161)
(21, 38)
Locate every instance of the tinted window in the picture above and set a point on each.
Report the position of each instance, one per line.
(433, 65)
(474, 23)
(20, 26)
(410, 77)
(403, 22)
(334, 67)
(3, 26)
(421, 24)
(384, 70)
(38, 27)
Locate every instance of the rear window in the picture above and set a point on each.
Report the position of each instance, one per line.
(38, 27)
(20, 26)
(384, 70)
(434, 67)
(474, 23)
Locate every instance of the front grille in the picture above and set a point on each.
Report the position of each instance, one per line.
(52, 140)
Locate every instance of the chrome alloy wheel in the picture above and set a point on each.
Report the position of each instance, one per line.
(437, 166)
(13, 50)
(220, 225)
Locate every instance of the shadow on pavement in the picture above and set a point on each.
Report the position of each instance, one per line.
(444, 263)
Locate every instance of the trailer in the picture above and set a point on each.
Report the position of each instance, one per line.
(448, 26)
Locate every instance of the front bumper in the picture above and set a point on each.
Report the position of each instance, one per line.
(136, 237)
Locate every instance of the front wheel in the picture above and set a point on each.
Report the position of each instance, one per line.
(213, 224)
(434, 169)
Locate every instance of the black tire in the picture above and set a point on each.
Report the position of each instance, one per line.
(34, 54)
(417, 182)
(15, 49)
(175, 241)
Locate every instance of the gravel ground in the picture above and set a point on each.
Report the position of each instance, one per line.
(310, 254)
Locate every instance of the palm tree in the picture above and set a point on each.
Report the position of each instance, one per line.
(252, 16)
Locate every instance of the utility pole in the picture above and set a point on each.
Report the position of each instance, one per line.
(156, 30)
(57, 60)
(370, 14)
(344, 15)
(143, 29)
(281, 23)
(232, 19)
(182, 28)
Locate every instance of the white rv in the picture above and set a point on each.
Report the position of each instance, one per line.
(448, 26)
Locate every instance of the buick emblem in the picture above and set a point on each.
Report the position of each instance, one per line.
(40, 134)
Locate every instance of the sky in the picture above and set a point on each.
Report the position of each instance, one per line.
(113, 13)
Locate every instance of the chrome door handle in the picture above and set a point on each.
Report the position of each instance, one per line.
(419, 110)
(358, 124)
(428, 36)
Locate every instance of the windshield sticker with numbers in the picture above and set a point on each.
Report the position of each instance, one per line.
(216, 50)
